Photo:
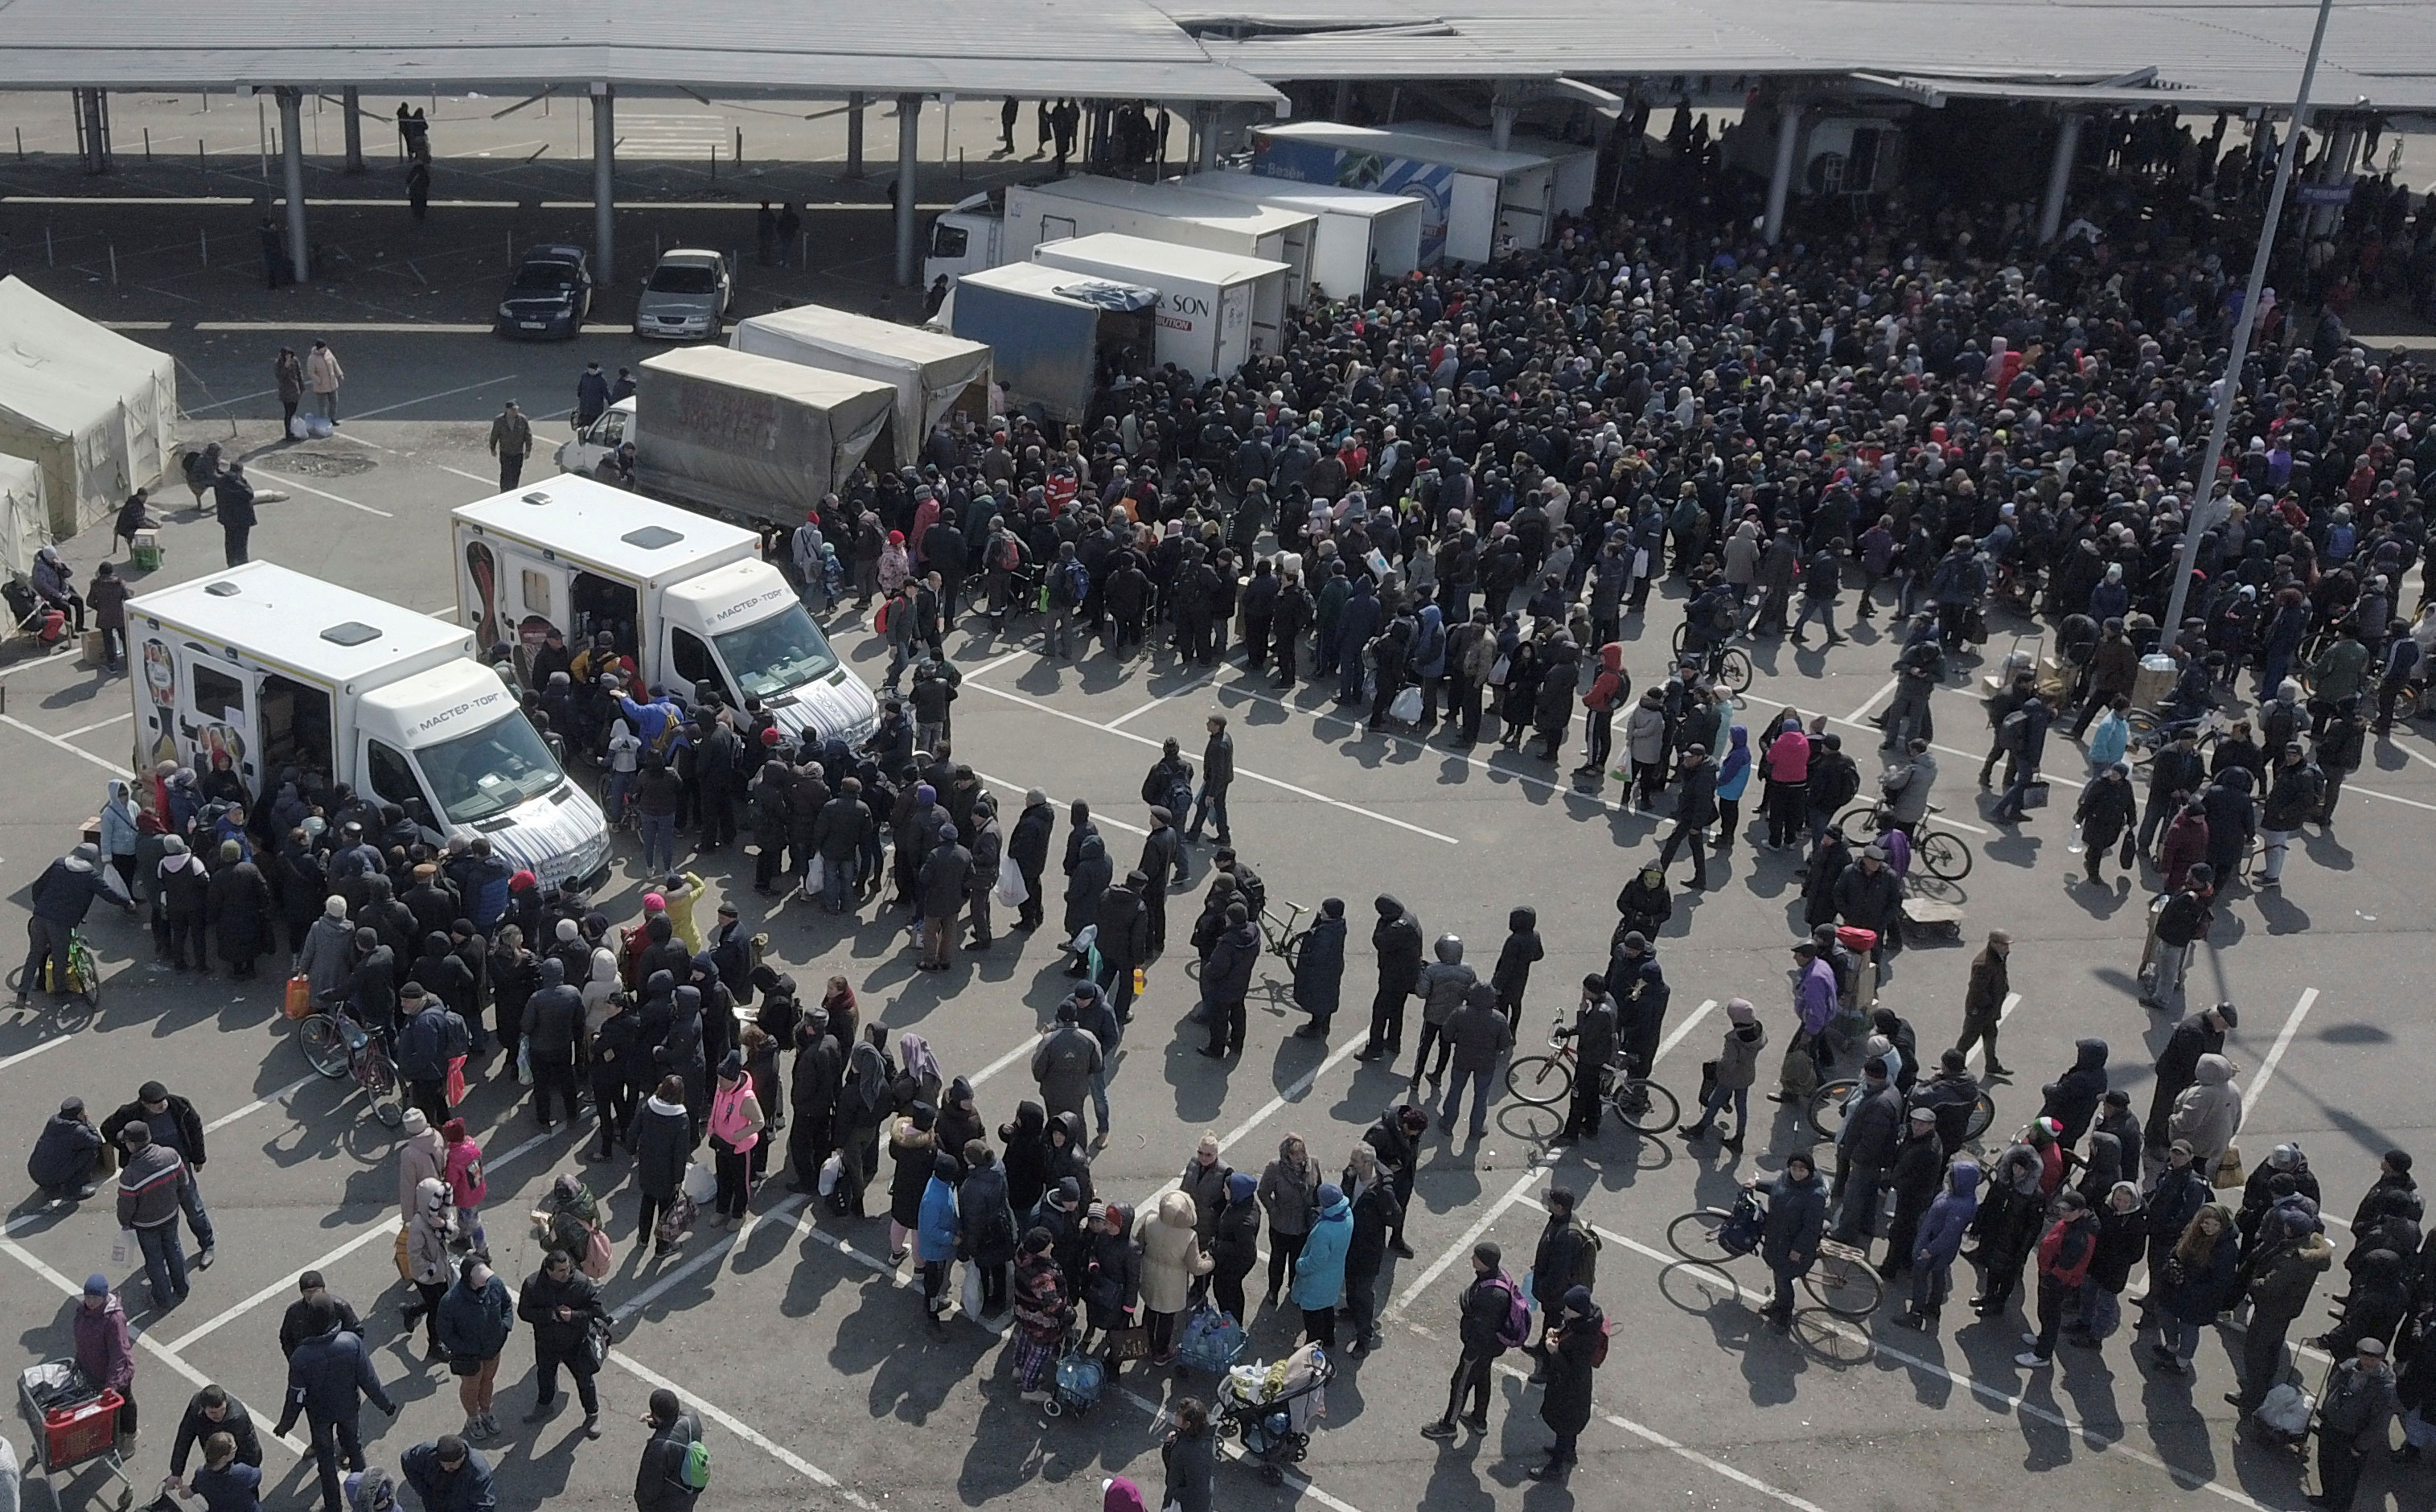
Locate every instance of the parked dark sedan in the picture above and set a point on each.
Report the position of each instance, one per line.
(549, 296)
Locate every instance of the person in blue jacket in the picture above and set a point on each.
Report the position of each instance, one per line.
(1733, 780)
(1939, 1240)
(935, 1234)
(1319, 1272)
(476, 1319)
(450, 1476)
(328, 1377)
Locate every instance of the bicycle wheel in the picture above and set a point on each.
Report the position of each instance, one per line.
(2148, 732)
(1945, 855)
(1983, 1113)
(1861, 819)
(1645, 1106)
(1827, 1106)
(1694, 1236)
(1542, 1081)
(1734, 668)
(378, 1079)
(86, 971)
(317, 1035)
(1680, 631)
(1844, 1284)
(1293, 950)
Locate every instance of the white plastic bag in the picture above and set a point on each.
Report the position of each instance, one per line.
(299, 426)
(1405, 708)
(697, 1182)
(1084, 939)
(2287, 1410)
(1011, 888)
(316, 427)
(524, 1062)
(816, 876)
(832, 1171)
(972, 1292)
(122, 1249)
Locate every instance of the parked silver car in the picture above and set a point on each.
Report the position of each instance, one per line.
(686, 297)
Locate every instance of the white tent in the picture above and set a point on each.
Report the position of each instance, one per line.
(95, 410)
(931, 373)
(24, 525)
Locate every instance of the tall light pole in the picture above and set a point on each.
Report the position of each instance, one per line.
(2221, 424)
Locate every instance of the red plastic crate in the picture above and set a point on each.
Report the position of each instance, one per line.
(71, 1435)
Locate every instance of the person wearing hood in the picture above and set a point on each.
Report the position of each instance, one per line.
(551, 1026)
(913, 1143)
(1737, 1071)
(1319, 969)
(1443, 985)
(1086, 881)
(1397, 938)
(2009, 1221)
(1112, 1272)
(1319, 1270)
(104, 1351)
(937, 1232)
(1043, 1312)
(2194, 1283)
(1173, 1262)
(2071, 1098)
(2177, 1067)
(985, 1225)
(1733, 780)
(1123, 935)
(429, 1264)
(1937, 1242)
(662, 1136)
(2209, 1113)
(2065, 1251)
(2231, 820)
(59, 899)
(811, 1100)
(1029, 846)
(1523, 949)
(1609, 686)
(682, 1052)
(1396, 1140)
(1225, 982)
(2283, 1264)
(1575, 1348)
(1162, 859)
(2376, 1306)
(865, 1101)
(68, 1155)
(122, 828)
(1234, 1244)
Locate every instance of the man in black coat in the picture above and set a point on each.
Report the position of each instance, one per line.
(811, 1098)
(561, 1302)
(1481, 1318)
(1696, 809)
(1873, 1132)
(1567, 1257)
(1396, 1140)
(2177, 1065)
(1124, 939)
(2071, 1098)
(1397, 938)
(232, 498)
(1162, 857)
(1029, 845)
(553, 1019)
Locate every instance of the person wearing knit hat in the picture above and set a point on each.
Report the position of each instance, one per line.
(1737, 1070)
(1577, 1347)
(1481, 1324)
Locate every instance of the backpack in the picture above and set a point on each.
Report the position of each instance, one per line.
(2015, 730)
(1587, 1267)
(1515, 1330)
(1010, 553)
(691, 1472)
(880, 621)
(1073, 582)
(1598, 1350)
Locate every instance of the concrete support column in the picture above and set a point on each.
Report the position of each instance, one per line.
(352, 102)
(1342, 105)
(91, 110)
(604, 185)
(1204, 137)
(854, 135)
(2334, 167)
(1501, 122)
(1779, 177)
(909, 121)
(291, 160)
(2059, 176)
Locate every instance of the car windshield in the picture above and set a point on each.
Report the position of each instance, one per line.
(681, 278)
(488, 770)
(545, 276)
(771, 655)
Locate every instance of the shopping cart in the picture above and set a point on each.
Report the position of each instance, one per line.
(75, 1422)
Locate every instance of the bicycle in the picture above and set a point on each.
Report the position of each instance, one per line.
(1728, 666)
(1839, 1279)
(1284, 934)
(337, 1045)
(1545, 1081)
(1826, 1109)
(84, 973)
(1943, 854)
(2153, 730)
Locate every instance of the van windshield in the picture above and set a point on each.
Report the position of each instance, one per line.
(488, 770)
(771, 655)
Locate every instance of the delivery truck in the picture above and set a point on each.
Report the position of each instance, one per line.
(935, 375)
(688, 596)
(1357, 235)
(1475, 199)
(746, 435)
(259, 670)
(1086, 205)
(1058, 336)
(1573, 168)
(1216, 310)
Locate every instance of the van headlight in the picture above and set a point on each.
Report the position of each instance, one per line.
(507, 314)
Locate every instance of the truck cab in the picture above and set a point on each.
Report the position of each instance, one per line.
(592, 452)
(965, 239)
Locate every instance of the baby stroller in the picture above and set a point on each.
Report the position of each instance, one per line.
(1080, 1378)
(1272, 1406)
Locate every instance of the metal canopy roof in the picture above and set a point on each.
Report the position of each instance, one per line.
(2380, 54)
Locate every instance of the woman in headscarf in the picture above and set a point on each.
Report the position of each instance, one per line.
(1041, 1316)
(895, 566)
(915, 1062)
(1577, 1347)
(429, 1263)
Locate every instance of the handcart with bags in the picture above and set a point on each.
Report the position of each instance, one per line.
(1272, 1407)
(75, 1422)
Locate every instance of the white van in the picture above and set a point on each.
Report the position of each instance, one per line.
(686, 595)
(259, 669)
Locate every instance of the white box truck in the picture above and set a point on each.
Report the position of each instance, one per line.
(1058, 336)
(1359, 235)
(686, 595)
(748, 435)
(935, 375)
(1087, 206)
(1476, 198)
(1216, 310)
(259, 669)
(1574, 176)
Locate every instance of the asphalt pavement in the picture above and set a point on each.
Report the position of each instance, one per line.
(807, 1350)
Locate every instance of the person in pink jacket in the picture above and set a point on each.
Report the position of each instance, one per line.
(103, 1350)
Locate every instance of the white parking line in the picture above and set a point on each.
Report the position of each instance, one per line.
(2005, 1011)
(2275, 1053)
(409, 404)
(1871, 701)
(1240, 772)
(2011, 1402)
(335, 498)
(98, 725)
(47, 738)
(1127, 717)
(742, 1430)
(263, 1101)
(1012, 786)
(52, 1043)
(778, 1212)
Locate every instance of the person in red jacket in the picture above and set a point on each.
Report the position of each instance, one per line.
(2065, 1253)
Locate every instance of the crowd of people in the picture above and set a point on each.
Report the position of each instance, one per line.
(1450, 502)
